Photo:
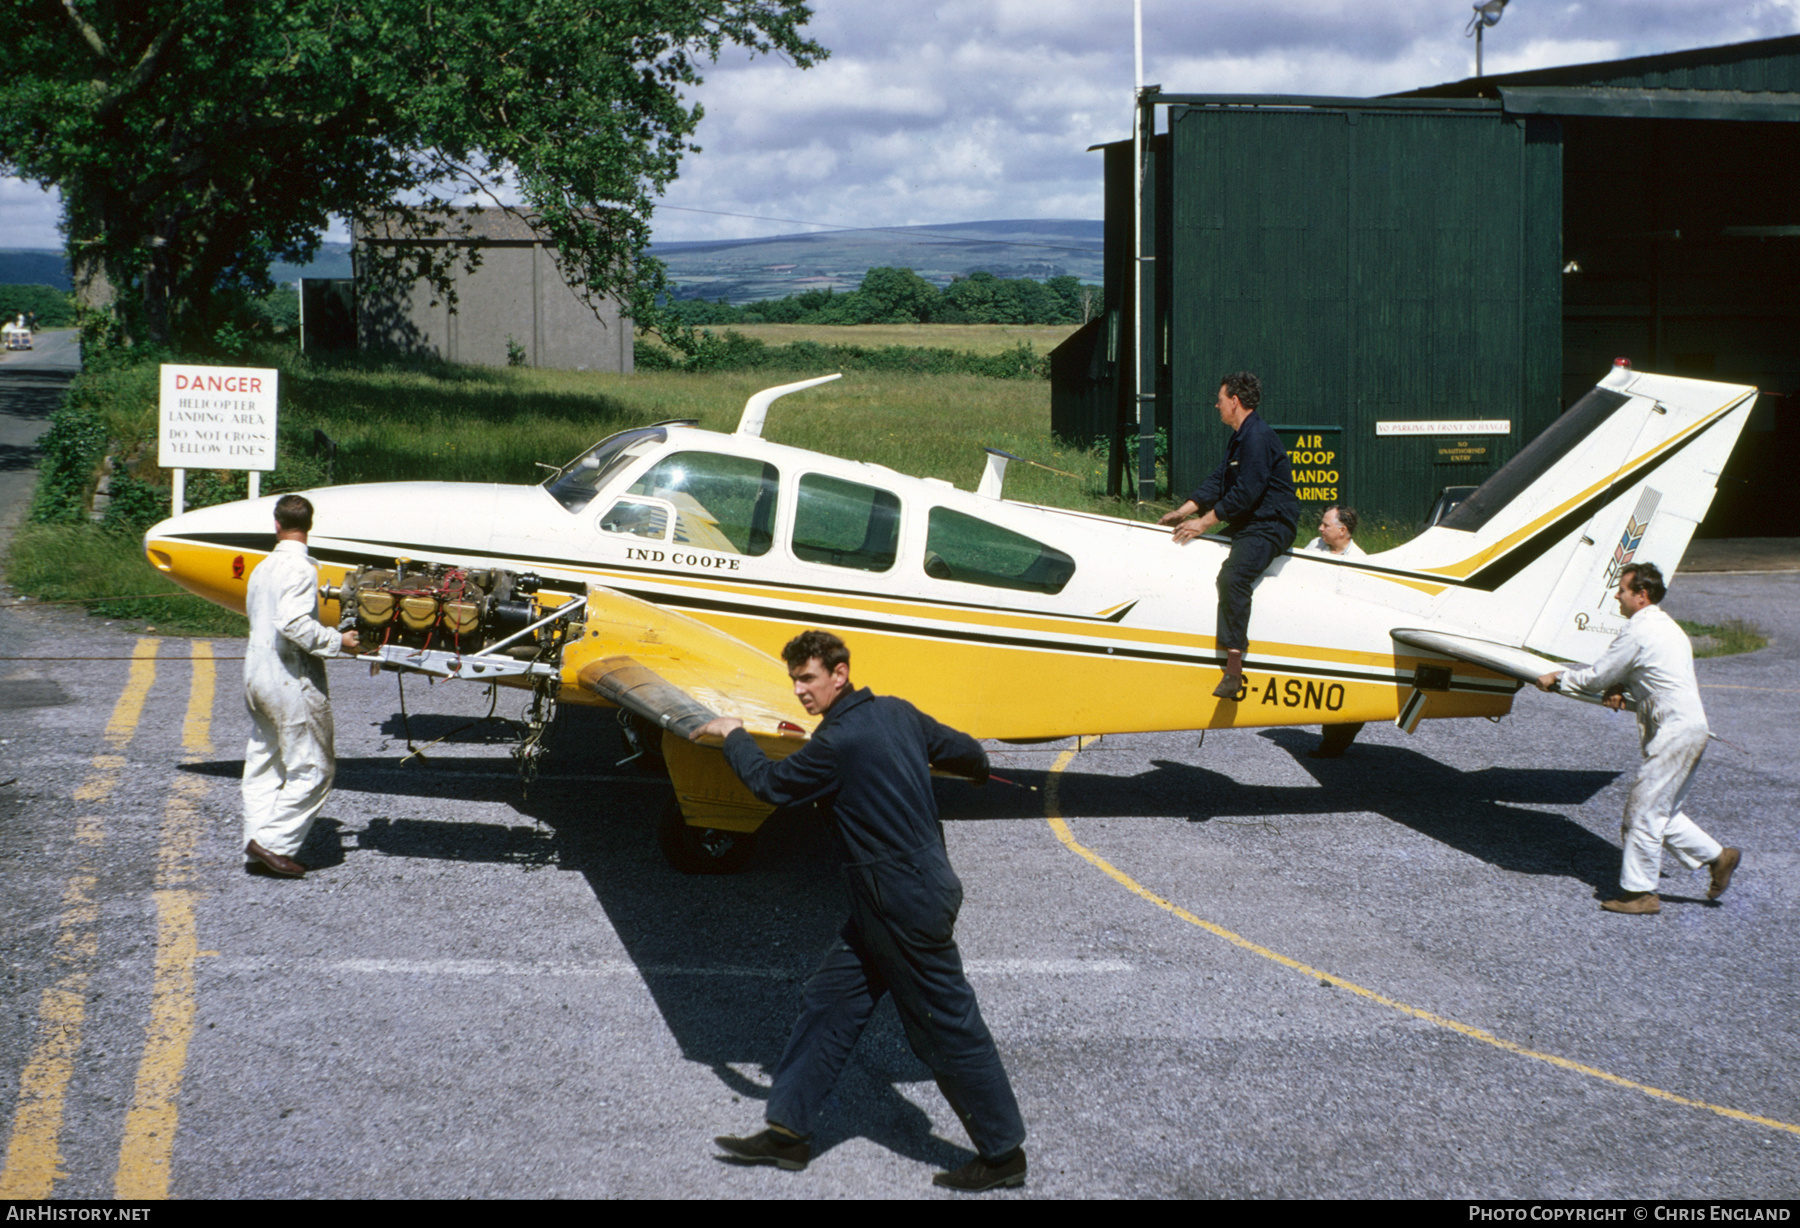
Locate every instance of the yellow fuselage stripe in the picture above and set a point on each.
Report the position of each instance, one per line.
(1480, 558)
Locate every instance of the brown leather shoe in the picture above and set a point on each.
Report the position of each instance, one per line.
(1229, 686)
(979, 1175)
(1635, 903)
(1722, 867)
(771, 1146)
(275, 863)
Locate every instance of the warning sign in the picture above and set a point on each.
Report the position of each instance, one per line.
(217, 418)
(1462, 452)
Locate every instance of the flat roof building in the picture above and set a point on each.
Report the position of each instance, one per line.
(515, 303)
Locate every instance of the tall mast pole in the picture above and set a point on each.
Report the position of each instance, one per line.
(1142, 378)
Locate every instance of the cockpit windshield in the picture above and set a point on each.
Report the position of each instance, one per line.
(576, 483)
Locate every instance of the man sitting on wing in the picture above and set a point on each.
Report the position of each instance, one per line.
(1251, 493)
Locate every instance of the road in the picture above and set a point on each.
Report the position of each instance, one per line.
(1219, 970)
(31, 387)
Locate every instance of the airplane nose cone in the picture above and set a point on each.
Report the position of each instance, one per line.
(211, 551)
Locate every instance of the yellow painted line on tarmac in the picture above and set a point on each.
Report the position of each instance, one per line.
(146, 1155)
(33, 1151)
(1053, 812)
(130, 708)
(196, 727)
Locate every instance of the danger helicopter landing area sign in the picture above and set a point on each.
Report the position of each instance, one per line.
(217, 418)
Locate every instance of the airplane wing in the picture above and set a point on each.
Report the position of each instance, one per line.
(678, 673)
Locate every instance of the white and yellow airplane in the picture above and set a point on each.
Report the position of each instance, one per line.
(661, 572)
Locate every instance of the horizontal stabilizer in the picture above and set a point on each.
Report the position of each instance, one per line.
(1502, 659)
(1513, 662)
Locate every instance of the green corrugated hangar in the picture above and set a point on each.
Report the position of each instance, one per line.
(1425, 281)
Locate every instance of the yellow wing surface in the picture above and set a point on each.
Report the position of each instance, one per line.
(678, 673)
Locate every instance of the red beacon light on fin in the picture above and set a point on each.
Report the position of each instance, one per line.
(1622, 362)
(788, 729)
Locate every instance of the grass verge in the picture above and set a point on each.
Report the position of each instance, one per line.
(1725, 639)
(106, 574)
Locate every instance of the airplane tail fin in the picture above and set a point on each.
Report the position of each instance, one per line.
(1625, 475)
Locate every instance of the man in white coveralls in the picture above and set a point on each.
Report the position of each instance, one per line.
(1653, 659)
(288, 761)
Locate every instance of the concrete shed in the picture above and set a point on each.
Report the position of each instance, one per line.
(516, 292)
(1425, 281)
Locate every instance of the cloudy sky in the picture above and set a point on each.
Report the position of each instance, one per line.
(967, 110)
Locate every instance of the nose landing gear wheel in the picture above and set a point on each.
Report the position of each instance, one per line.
(701, 850)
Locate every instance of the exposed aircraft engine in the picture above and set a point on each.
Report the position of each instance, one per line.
(480, 625)
(450, 609)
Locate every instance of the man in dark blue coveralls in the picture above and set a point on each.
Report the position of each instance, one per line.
(870, 762)
(1252, 494)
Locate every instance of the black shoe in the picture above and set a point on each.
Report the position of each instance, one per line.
(979, 1174)
(769, 1147)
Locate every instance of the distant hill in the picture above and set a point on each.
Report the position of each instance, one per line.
(333, 260)
(21, 266)
(745, 270)
(30, 266)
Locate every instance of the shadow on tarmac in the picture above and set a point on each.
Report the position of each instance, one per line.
(783, 911)
(776, 917)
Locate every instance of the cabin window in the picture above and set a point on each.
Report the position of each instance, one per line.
(575, 484)
(972, 551)
(639, 517)
(846, 524)
(723, 503)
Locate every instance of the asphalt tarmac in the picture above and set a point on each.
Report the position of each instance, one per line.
(1388, 976)
(1227, 971)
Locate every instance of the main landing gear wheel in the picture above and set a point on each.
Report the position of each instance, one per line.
(701, 850)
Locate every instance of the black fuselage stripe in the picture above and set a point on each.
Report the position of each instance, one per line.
(1397, 677)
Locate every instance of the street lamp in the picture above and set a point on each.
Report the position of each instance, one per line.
(1487, 14)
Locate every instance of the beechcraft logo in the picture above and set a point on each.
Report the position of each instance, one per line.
(1635, 524)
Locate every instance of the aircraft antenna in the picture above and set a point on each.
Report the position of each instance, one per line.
(757, 407)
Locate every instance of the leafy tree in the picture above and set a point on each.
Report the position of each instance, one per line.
(1079, 302)
(54, 308)
(898, 296)
(196, 140)
(970, 300)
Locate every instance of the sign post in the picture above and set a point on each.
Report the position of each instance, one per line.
(216, 418)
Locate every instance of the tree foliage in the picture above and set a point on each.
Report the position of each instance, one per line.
(194, 141)
(901, 296)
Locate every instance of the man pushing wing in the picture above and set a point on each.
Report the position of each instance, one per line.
(870, 762)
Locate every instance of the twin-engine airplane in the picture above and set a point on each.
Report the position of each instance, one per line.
(661, 572)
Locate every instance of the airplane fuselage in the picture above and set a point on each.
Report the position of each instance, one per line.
(1008, 620)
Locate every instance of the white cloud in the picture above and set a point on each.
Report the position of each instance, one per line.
(962, 110)
(972, 109)
(28, 215)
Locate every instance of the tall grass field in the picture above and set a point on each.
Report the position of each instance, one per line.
(403, 420)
